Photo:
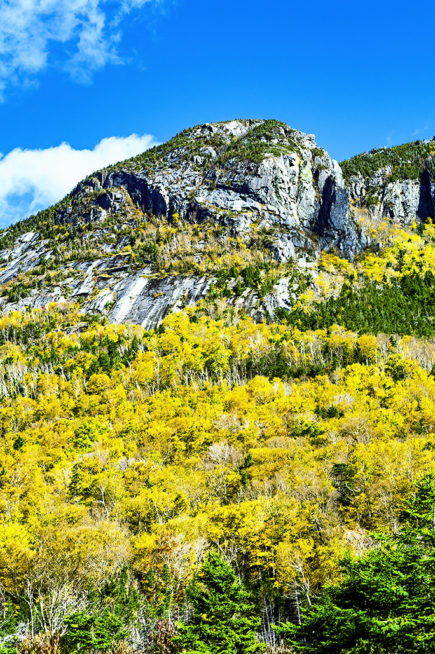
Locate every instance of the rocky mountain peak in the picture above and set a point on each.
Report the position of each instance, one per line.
(150, 234)
(237, 174)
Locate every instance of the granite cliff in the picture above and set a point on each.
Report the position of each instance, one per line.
(397, 183)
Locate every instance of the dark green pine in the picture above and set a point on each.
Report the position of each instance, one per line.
(222, 620)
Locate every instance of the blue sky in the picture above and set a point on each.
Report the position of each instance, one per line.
(110, 77)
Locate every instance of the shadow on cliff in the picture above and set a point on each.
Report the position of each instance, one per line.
(426, 205)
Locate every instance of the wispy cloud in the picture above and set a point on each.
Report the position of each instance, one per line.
(31, 180)
(81, 36)
(420, 130)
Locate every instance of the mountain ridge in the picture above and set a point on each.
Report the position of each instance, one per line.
(156, 232)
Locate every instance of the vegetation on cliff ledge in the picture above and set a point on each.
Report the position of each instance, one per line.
(406, 161)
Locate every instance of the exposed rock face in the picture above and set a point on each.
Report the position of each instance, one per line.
(402, 201)
(396, 183)
(140, 298)
(240, 175)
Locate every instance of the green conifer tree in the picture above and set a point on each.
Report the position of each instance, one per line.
(386, 601)
(74, 484)
(223, 620)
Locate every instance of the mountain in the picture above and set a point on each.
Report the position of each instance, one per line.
(237, 199)
(148, 235)
(263, 454)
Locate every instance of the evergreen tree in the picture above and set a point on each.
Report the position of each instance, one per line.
(223, 619)
(93, 632)
(107, 619)
(386, 601)
(74, 485)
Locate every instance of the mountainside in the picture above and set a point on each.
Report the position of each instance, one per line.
(255, 471)
(236, 209)
(249, 193)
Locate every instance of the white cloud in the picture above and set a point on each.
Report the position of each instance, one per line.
(79, 35)
(31, 180)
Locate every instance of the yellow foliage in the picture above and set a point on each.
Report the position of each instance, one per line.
(16, 555)
(192, 437)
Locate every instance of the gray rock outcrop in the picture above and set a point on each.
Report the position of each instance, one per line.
(396, 183)
(242, 173)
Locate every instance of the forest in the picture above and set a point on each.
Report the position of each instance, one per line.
(224, 485)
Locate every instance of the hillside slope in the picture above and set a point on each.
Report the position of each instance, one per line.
(137, 448)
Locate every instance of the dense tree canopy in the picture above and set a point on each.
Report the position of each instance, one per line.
(127, 456)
